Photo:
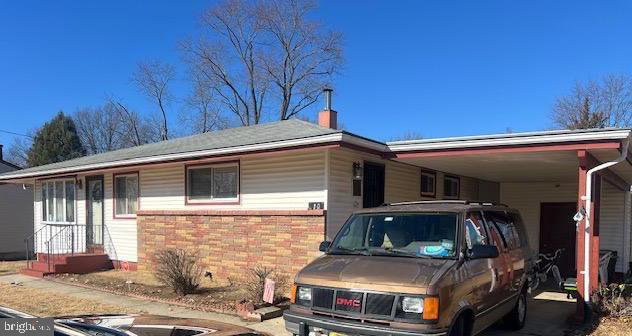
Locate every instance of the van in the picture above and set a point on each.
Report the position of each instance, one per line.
(416, 268)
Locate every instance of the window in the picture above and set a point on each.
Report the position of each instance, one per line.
(58, 201)
(475, 233)
(126, 194)
(216, 183)
(451, 187)
(505, 228)
(428, 183)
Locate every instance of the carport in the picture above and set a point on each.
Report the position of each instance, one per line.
(545, 176)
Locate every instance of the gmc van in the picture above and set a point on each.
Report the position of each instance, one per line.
(418, 268)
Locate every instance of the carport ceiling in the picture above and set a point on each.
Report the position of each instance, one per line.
(559, 166)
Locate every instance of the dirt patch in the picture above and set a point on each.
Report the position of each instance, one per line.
(42, 303)
(210, 296)
(11, 267)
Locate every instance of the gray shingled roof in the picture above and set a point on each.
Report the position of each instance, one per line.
(234, 137)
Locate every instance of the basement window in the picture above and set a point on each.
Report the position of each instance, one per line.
(213, 183)
(58, 201)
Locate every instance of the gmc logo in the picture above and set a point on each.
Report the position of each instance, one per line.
(348, 302)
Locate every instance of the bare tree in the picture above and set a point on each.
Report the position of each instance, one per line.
(153, 79)
(264, 55)
(301, 57)
(596, 104)
(137, 130)
(410, 135)
(202, 114)
(17, 152)
(101, 129)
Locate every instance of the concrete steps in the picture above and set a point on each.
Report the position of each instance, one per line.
(67, 263)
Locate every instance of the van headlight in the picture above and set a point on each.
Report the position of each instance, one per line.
(304, 296)
(413, 305)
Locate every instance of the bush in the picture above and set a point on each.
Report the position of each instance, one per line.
(179, 270)
(254, 283)
(614, 300)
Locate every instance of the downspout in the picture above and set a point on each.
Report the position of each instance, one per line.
(588, 199)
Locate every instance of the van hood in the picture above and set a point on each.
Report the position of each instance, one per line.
(380, 273)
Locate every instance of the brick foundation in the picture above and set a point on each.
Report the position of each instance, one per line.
(229, 242)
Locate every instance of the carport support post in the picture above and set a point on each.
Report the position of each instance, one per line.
(581, 225)
(586, 162)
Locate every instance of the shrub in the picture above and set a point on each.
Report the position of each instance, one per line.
(254, 283)
(178, 269)
(614, 300)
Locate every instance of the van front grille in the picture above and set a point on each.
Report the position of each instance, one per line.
(323, 298)
(356, 303)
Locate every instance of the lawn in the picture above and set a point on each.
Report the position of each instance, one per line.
(11, 267)
(211, 296)
(42, 303)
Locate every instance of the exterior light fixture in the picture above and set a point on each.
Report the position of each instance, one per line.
(357, 171)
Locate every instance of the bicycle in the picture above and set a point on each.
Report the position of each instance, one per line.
(546, 263)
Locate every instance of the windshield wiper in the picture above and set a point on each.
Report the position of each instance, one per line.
(344, 250)
(398, 252)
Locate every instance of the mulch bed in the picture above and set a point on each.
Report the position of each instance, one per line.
(216, 299)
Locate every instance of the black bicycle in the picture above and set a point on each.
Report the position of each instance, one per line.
(546, 263)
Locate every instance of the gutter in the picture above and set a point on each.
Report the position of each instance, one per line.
(588, 205)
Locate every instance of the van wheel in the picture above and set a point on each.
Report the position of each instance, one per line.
(459, 328)
(518, 315)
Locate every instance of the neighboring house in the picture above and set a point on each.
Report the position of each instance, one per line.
(268, 194)
(16, 215)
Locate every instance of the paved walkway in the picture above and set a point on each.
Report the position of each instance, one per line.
(547, 313)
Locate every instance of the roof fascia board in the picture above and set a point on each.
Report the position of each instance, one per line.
(493, 141)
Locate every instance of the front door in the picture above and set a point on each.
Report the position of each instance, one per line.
(558, 230)
(373, 185)
(94, 210)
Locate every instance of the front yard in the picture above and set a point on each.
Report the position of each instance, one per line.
(11, 267)
(210, 296)
(45, 303)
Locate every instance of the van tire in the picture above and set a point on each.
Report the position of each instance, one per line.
(459, 328)
(517, 317)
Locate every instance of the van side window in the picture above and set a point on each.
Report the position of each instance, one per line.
(504, 226)
(520, 229)
(475, 233)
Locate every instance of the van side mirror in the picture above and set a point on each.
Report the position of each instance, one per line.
(483, 252)
(324, 246)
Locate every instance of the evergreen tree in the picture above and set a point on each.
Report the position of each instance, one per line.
(56, 141)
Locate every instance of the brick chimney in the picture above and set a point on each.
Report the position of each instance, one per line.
(328, 117)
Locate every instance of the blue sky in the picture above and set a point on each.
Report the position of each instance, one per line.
(436, 68)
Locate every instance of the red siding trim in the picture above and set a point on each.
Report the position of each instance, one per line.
(508, 149)
(186, 184)
(231, 213)
(114, 215)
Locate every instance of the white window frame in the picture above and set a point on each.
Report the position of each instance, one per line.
(455, 179)
(115, 199)
(211, 199)
(432, 175)
(44, 185)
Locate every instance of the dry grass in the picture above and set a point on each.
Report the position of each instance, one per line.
(613, 327)
(42, 303)
(11, 267)
(138, 277)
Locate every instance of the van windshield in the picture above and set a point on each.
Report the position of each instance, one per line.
(398, 234)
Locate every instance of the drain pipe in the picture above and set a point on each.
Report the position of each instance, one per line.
(588, 198)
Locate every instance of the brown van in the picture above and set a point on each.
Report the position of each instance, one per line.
(419, 268)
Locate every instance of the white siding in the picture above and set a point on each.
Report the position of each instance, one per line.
(612, 230)
(122, 232)
(526, 197)
(284, 182)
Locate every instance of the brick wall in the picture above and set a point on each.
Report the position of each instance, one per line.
(229, 242)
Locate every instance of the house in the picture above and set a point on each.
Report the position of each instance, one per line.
(16, 215)
(269, 194)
